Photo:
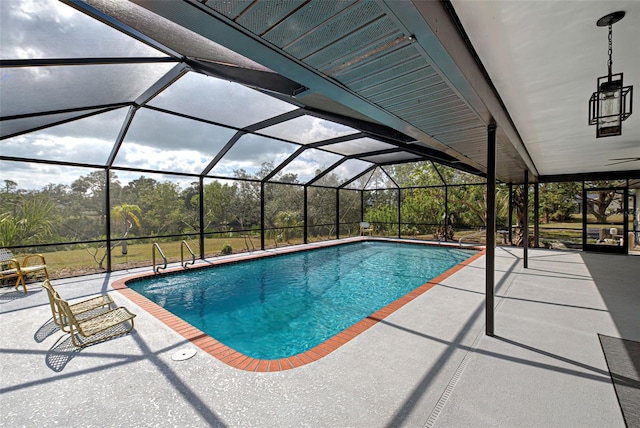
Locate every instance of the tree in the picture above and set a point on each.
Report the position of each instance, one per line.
(282, 198)
(381, 202)
(136, 190)
(90, 193)
(468, 204)
(418, 174)
(10, 186)
(127, 216)
(349, 207)
(286, 221)
(246, 203)
(599, 206)
(190, 198)
(384, 216)
(423, 208)
(518, 204)
(163, 210)
(558, 200)
(218, 201)
(163, 205)
(321, 206)
(124, 216)
(9, 197)
(32, 222)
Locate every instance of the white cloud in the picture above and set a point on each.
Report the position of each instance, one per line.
(219, 101)
(28, 52)
(165, 131)
(34, 176)
(307, 129)
(125, 177)
(49, 147)
(144, 157)
(250, 152)
(350, 169)
(52, 29)
(310, 161)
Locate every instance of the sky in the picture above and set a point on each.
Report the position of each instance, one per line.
(155, 140)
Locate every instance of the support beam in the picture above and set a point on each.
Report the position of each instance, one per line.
(337, 213)
(107, 214)
(446, 210)
(584, 217)
(254, 78)
(262, 216)
(305, 211)
(352, 179)
(284, 163)
(491, 228)
(330, 168)
(536, 215)
(510, 218)
(201, 215)
(525, 221)
(223, 152)
(123, 131)
(399, 213)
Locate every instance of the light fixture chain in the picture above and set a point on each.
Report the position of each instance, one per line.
(610, 63)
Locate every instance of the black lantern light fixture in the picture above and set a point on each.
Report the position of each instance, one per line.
(611, 104)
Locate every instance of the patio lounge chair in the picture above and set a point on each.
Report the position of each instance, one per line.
(98, 328)
(365, 228)
(81, 310)
(12, 268)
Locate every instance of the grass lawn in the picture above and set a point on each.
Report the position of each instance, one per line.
(66, 263)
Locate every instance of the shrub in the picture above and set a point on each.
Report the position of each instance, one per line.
(226, 248)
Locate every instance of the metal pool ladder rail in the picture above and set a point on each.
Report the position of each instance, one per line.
(184, 264)
(471, 235)
(253, 248)
(156, 246)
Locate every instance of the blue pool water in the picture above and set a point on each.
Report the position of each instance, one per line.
(276, 307)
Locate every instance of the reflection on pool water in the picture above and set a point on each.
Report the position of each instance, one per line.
(276, 307)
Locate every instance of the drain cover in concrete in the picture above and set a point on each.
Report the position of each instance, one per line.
(183, 354)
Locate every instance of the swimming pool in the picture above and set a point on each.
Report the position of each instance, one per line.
(277, 307)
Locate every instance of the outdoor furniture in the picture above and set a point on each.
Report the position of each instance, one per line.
(98, 328)
(10, 267)
(365, 228)
(81, 310)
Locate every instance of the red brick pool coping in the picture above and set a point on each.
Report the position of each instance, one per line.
(240, 361)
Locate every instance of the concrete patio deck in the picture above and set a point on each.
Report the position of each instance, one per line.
(427, 364)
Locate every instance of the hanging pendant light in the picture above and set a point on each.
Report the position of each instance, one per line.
(611, 104)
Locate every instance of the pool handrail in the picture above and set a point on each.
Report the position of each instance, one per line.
(470, 235)
(184, 264)
(157, 246)
(253, 248)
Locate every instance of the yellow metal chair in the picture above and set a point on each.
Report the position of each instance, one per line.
(81, 310)
(365, 228)
(10, 267)
(101, 327)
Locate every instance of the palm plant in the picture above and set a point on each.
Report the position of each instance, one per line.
(127, 216)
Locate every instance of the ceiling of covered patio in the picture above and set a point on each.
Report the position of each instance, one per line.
(313, 88)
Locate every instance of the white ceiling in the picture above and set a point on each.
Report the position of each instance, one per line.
(544, 58)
